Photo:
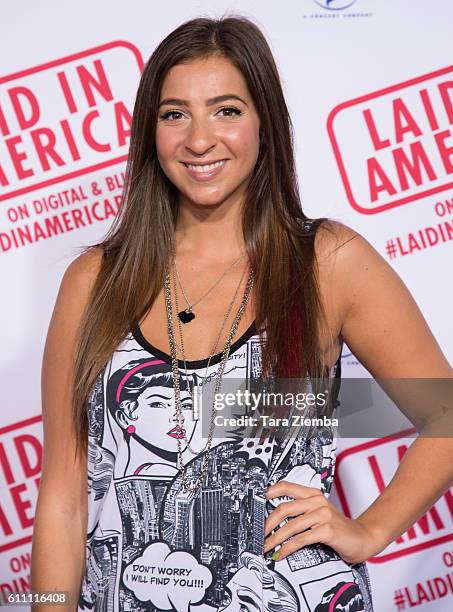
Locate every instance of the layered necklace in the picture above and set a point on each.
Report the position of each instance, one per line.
(197, 389)
(190, 484)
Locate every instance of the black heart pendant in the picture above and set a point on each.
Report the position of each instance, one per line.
(186, 316)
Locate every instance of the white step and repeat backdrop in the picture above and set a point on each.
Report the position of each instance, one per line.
(370, 90)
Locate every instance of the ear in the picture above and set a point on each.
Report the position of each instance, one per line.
(121, 419)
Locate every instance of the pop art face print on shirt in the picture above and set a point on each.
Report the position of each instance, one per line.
(140, 400)
(152, 546)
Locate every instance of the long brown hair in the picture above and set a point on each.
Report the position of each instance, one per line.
(137, 248)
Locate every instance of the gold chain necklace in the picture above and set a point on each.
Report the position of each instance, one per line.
(187, 484)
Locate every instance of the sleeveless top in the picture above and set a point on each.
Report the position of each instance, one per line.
(151, 546)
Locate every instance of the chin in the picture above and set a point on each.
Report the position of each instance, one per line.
(205, 200)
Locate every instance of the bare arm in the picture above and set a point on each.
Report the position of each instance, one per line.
(58, 549)
(370, 307)
(385, 329)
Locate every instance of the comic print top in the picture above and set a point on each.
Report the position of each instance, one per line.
(151, 546)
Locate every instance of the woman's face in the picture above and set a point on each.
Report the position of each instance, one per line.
(155, 421)
(207, 115)
(244, 592)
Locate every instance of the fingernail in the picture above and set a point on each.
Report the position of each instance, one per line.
(276, 555)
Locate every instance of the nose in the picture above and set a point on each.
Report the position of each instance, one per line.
(200, 137)
(174, 421)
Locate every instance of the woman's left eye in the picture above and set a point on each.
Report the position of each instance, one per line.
(236, 111)
(176, 115)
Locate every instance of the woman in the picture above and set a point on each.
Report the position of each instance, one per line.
(213, 269)
(245, 589)
(138, 401)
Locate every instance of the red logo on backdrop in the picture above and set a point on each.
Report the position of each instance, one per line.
(394, 146)
(372, 457)
(20, 470)
(66, 118)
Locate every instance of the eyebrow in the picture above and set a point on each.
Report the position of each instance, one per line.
(246, 598)
(153, 394)
(209, 101)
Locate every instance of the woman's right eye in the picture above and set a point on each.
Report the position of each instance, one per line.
(226, 601)
(157, 404)
(166, 116)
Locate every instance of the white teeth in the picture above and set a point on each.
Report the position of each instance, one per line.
(206, 168)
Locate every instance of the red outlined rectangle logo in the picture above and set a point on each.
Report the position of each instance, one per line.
(66, 118)
(378, 460)
(395, 145)
(20, 474)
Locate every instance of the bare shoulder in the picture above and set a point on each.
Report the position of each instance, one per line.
(346, 265)
(373, 308)
(74, 291)
(344, 256)
(72, 298)
(83, 270)
(331, 237)
(337, 248)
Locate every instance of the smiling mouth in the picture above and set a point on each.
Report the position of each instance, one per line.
(177, 432)
(202, 168)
